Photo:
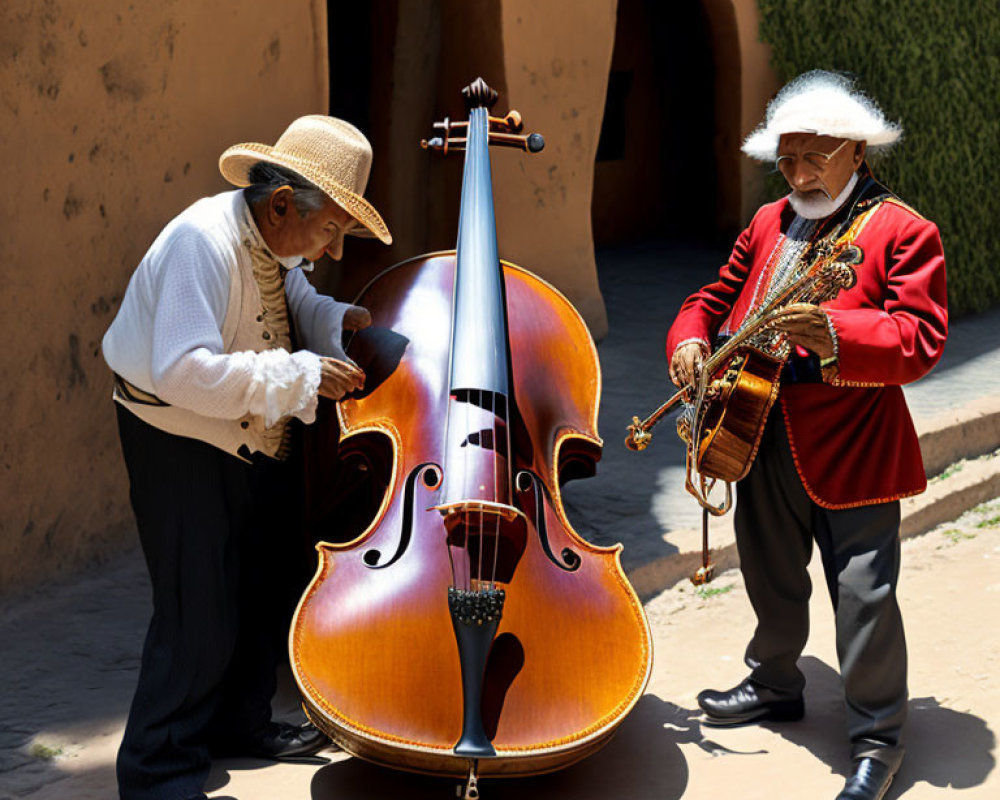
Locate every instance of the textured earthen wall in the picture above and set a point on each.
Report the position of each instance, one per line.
(548, 60)
(113, 117)
(758, 84)
(556, 59)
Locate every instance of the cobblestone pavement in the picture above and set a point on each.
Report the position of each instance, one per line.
(70, 652)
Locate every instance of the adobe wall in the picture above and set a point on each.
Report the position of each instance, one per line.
(547, 60)
(556, 58)
(115, 114)
(758, 84)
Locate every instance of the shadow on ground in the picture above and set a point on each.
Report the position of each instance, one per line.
(643, 761)
(944, 747)
(637, 498)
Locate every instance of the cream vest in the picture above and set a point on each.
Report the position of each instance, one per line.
(246, 327)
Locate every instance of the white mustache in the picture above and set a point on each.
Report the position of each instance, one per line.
(822, 189)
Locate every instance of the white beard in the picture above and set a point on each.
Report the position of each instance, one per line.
(816, 205)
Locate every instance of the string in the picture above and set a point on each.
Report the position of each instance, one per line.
(496, 450)
(465, 487)
(496, 536)
(479, 405)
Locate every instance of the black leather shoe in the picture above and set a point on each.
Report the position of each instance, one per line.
(749, 702)
(869, 781)
(280, 740)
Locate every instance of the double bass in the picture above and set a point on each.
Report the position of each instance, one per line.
(468, 630)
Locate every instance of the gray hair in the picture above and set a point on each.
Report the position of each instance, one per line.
(265, 178)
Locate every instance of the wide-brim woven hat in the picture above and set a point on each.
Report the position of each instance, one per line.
(823, 103)
(331, 153)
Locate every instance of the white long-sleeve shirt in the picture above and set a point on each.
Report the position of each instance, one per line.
(167, 336)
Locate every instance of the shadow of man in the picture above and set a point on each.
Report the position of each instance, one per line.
(944, 747)
(642, 762)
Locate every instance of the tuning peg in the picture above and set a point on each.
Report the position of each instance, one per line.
(444, 144)
(512, 123)
(531, 143)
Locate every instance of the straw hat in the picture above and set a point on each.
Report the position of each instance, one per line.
(824, 103)
(330, 153)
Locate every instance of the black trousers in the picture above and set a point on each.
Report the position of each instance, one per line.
(776, 523)
(218, 535)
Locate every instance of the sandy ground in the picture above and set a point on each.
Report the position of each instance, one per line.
(949, 592)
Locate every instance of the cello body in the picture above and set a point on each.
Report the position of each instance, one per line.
(468, 630)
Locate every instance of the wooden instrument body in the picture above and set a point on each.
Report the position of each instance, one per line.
(740, 397)
(373, 648)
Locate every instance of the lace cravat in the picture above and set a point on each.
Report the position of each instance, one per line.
(269, 274)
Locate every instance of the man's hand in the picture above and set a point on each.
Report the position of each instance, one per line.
(806, 325)
(338, 377)
(686, 363)
(357, 318)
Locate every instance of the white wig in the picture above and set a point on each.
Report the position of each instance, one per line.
(826, 104)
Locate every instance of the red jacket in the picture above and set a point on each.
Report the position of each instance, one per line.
(852, 438)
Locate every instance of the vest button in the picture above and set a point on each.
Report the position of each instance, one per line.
(260, 318)
(267, 335)
(244, 424)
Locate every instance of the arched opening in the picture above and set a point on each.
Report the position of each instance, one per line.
(667, 161)
(360, 47)
(395, 68)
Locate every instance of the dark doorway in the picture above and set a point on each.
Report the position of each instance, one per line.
(349, 32)
(395, 68)
(655, 174)
(360, 39)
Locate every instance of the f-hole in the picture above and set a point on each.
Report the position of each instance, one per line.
(430, 475)
(528, 481)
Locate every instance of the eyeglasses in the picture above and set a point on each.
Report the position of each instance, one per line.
(815, 160)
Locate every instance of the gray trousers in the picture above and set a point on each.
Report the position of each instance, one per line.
(776, 523)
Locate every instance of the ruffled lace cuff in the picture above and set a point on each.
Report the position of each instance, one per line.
(288, 385)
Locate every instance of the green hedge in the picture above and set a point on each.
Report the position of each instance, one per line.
(934, 66)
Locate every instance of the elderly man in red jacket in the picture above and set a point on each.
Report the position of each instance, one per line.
(839, 449)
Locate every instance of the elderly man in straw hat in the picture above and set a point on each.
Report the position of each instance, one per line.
(839, 449)
(207, 378)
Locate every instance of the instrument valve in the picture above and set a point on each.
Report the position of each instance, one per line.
(638, 438)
